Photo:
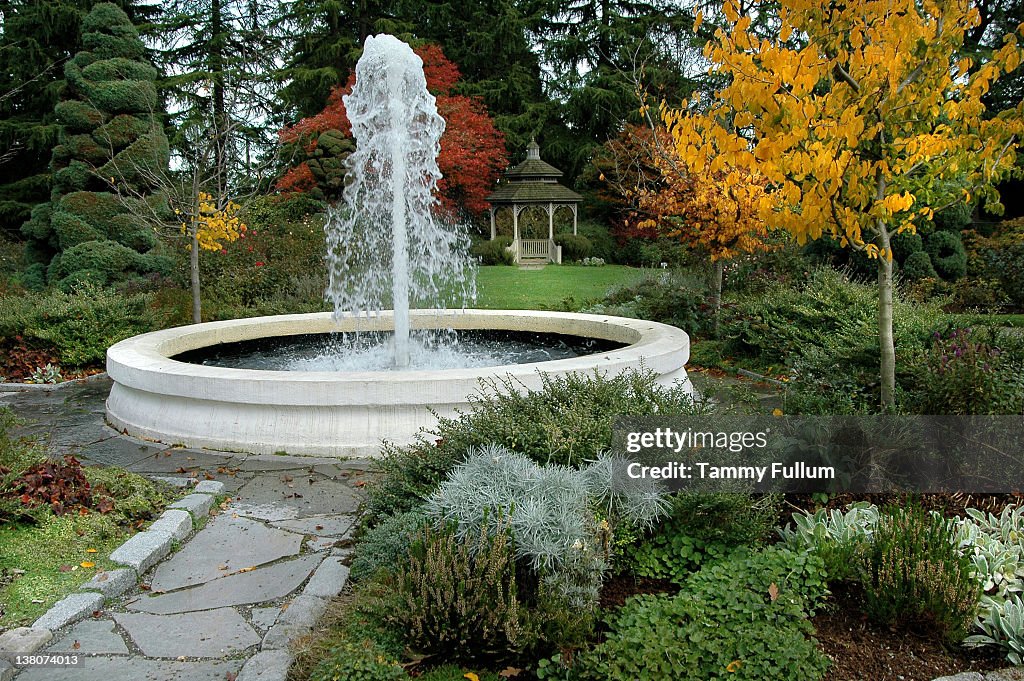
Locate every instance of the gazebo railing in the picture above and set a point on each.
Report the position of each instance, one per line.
(534, 248)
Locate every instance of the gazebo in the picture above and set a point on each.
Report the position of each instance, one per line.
(534, 183)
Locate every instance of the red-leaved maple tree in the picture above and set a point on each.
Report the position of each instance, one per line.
(472, 149)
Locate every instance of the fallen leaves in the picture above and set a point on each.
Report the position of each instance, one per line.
(87, 564)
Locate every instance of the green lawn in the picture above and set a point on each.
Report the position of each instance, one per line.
(554, 287)
(1015, 320)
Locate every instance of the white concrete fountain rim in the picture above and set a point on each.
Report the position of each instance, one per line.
(145, 361)
(347, 413)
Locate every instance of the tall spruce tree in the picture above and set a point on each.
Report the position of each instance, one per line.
(594, 49)
(219, 62)
(328, 40)
(111, 134)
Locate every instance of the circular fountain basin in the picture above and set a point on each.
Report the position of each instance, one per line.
(345, 413)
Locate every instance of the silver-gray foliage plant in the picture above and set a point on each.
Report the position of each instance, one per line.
(562, 519)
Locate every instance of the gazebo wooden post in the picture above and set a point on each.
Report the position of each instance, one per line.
(573, 219)
(494, 232)
(551, 222)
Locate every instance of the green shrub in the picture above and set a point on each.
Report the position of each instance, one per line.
(999, 257)
(947, 253)
(601, 240)
(954, 218)
(918, 265)
(357, 662)
(826, 330)
(906, 244)
(913, 573)
(574, 247)
(670, 298)
(385, 546)
(567, 421)
(78, 326)
(702, 528)
(722, 630)
(459, 599)
(494, 252)
(551, 511)
(966, 372)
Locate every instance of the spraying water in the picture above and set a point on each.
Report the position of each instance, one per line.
(385, 245)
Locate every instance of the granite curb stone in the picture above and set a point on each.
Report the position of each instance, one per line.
(268, 665)
(111, 583)
(70, 609)
(143, 550)
(174, 522)
(209, 487)
(328, 580)
(24, 640)
(6, 670)
(198, 505)
(302, 613)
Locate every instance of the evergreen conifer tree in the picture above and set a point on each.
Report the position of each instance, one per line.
(111, 134)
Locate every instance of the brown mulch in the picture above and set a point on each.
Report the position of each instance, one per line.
(863, 651)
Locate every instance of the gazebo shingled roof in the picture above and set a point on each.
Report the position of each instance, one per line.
(533, 181)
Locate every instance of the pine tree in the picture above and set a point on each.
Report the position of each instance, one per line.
(111, 133)
(219, 64)
(596, 49)
(329, 38)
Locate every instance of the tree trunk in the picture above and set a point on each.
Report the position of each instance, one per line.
(197, 311)
(885, 337)
(886, 346)
(717, 274)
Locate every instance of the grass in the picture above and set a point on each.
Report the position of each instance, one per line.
(556, 287)
(1014, 320)
(44, 557)
(50, 555)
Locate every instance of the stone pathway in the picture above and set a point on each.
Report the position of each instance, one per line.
(227, 602)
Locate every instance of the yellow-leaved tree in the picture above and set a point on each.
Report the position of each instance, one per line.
(862, 116)
(208, 224)
(717, 214)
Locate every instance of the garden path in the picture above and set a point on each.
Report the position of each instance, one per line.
(258, 573)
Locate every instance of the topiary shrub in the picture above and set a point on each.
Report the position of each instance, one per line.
(112, 135)
(947, 254)
(574, 247)
(906, 244)
(918, 265)
(103, 262)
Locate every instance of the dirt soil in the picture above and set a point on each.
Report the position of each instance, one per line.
(863, 651)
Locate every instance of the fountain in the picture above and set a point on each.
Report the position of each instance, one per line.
(385, 246)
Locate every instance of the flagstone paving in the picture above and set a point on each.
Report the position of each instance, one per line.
(259, 572)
